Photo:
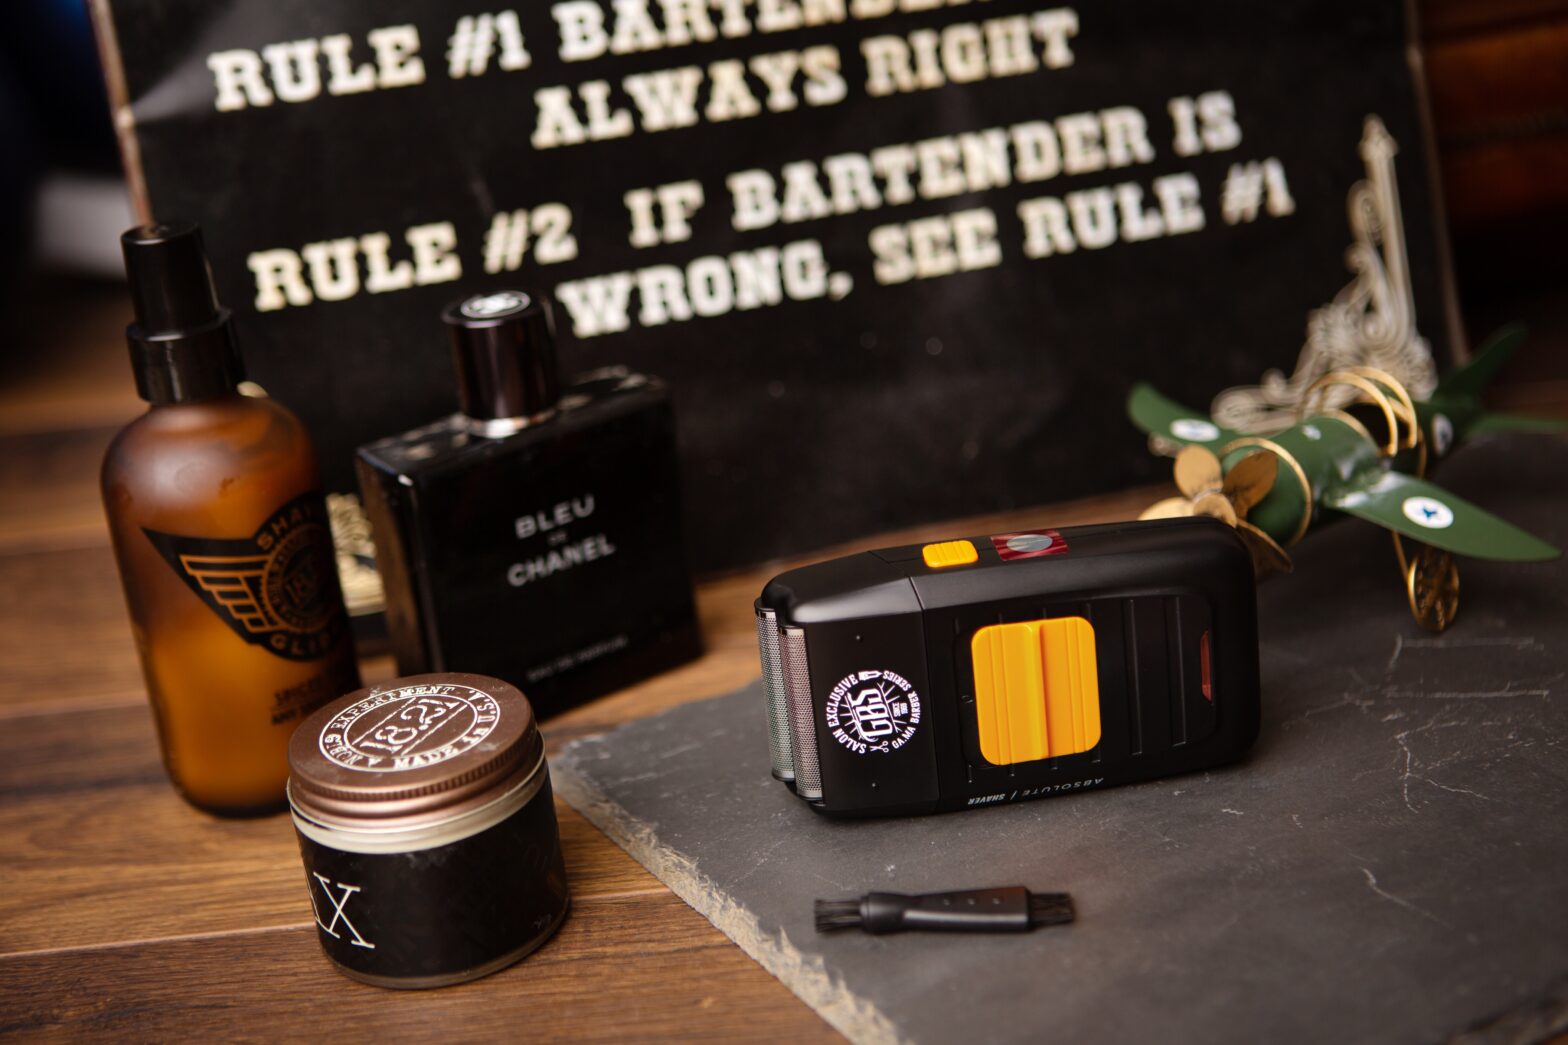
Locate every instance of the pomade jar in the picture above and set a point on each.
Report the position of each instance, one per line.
(427, 827)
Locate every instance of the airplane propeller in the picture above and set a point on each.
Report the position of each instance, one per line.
(1207, 489)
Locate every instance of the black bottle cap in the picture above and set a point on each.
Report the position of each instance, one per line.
(182, 343)
(503, 349)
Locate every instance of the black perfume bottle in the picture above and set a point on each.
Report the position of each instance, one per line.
(536, 534)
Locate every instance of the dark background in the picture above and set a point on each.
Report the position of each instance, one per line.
(806, 423)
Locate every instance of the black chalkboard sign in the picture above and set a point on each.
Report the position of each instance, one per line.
(899, 259)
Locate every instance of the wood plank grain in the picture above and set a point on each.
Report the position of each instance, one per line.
(1506, 82)
(1502, 132)
(642, 968)
(49, 489)
(1446, 18)
(64, 634)
(101, 849)
(65, 365)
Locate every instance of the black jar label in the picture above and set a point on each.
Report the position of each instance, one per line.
(277, 588)
(438, 914)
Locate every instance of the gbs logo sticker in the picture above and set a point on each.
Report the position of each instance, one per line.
(873, 711)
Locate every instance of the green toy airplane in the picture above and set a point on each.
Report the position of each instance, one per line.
(1367, 458)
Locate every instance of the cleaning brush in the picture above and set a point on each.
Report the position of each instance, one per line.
(1010, 909)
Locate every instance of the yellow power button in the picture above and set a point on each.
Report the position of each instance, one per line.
(949, 553)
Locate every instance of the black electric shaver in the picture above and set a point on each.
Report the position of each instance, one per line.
(993, 669)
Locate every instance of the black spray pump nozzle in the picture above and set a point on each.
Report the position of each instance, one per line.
(182, 343)
(1010, 909)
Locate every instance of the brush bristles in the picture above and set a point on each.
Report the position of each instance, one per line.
(837, 914)
(1050, 909)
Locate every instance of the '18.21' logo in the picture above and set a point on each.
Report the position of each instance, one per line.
(873, 711)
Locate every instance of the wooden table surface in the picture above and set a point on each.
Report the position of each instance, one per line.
(125, 912)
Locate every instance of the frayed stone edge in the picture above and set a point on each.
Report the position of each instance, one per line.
(853, 1016)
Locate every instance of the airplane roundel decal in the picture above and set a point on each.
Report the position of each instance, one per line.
(1195, 429)
(1428, 512)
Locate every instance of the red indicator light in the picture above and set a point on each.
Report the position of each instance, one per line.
(1029, 544)
(1203, 663)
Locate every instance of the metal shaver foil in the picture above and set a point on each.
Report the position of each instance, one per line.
(427, 827)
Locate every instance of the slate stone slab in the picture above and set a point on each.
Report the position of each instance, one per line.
(1388, 865)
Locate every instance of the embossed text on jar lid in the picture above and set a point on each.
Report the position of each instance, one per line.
(414, 749)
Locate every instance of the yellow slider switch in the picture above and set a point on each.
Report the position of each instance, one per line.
(949, 553)
(1037, 689)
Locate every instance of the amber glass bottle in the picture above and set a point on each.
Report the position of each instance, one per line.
(221, 534)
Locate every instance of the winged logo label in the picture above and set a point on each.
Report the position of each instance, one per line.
(277, 588)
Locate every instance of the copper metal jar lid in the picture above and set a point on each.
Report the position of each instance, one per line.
(416, 750)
